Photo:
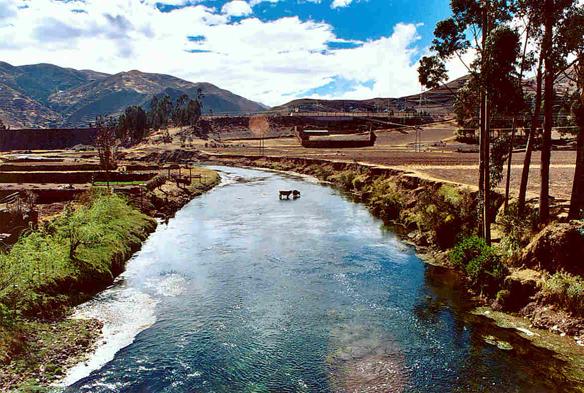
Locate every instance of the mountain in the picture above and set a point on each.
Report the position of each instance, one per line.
(438, 101)
(434, 101)
(45, 95)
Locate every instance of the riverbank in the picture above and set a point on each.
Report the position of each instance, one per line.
(66, 262)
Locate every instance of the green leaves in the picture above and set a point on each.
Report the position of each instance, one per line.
(449, 39)
(431, 72)
(480, 262)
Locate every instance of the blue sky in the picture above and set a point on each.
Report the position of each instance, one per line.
(267, 50)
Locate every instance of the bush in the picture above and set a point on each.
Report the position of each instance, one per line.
(518, 231)
(360, 181)
(567, 290)
(447, 213)
(481, 264)
(322, 172)
(385, 199)
(344, 179)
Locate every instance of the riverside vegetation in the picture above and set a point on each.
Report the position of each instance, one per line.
(51, 269)
(65, 262)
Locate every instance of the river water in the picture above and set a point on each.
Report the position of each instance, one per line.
(243, 292)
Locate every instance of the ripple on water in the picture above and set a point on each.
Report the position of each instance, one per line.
(365, 360)
(125, 312)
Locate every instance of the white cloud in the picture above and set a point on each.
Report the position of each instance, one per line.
(253, 3)
(236, 8)
(340, 3)
(266, 61)
(7, 10)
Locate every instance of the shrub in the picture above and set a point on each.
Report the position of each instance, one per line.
(344, 179)
(481, 264)
(502, 295)
(518, 231)
(385, 199)
(322, 172)
(360, 181)
(447, 213)
(567, 290)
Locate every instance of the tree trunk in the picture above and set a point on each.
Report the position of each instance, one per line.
(546, 148)
(482, 117)
(509, 159)
(484, 121)
(512, 141)
(530, 139)
(487, 175)
(482, 163)
(577, 199)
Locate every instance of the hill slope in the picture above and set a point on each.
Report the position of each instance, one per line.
(435, 101)
(44, 95)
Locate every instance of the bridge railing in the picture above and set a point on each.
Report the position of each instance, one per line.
(405, 115)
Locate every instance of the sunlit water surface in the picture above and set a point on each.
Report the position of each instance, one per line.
(243, 292)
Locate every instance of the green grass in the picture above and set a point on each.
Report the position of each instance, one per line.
(567, 290)
(44, 269)
(51, 269)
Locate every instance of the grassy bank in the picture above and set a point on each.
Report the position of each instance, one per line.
(51, 269)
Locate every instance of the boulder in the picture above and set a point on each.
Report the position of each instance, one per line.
(521, 285)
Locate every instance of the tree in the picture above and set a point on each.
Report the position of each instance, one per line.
(186, 112)
(545, 17)
(432, 72)
(106, 144)
(132, 124)
(79, 230)
(548, 90)
(193, 112)
(259, 126)
(160, 112)
(466, 105)
(552, 16)
(571, 38)
(534, 125)
(179, 112)
(472, 18)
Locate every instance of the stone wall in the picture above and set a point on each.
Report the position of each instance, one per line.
(46, 139)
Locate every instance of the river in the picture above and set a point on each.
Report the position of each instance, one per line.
(243, 292)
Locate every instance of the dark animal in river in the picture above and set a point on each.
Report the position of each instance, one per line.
(295, 194)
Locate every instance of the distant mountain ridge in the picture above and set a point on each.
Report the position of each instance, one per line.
(434, 101)
(438, 101)
(45, 95)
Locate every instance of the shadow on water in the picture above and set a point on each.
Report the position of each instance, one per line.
(443, 297)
